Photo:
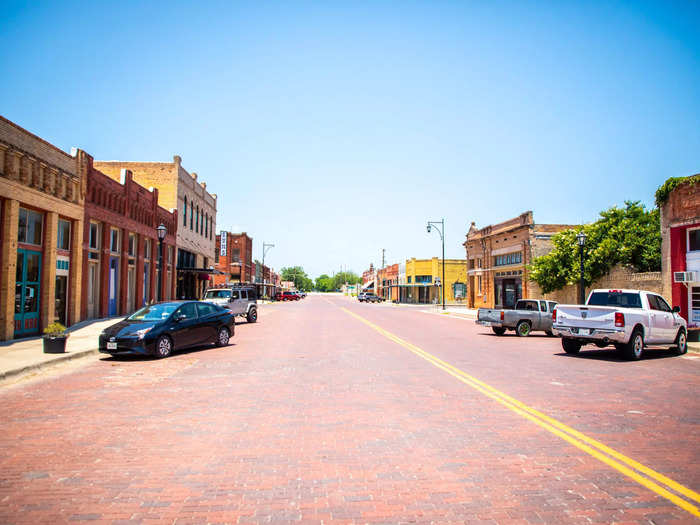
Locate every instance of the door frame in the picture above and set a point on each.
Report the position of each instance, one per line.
(20, 319)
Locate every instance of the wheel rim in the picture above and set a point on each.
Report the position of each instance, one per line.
(253, 315)
(524, 329)
(164, 346)
(682, 342)
(638, 345)
(223, 336)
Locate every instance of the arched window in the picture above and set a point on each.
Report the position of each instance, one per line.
(184, 215)
(206, 225)
(191, 215)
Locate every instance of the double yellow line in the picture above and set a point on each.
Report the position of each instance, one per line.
(649, 478)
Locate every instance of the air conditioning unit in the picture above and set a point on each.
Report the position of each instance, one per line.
(684, 277)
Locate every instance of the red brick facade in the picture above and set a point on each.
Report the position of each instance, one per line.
(120, 243)
(236, 262)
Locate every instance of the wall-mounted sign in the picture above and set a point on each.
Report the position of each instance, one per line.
(223, 252)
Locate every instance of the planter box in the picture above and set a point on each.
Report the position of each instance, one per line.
(55, 344)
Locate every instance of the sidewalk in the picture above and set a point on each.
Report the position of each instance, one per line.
(22, 355)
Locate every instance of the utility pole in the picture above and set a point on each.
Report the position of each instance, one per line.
(383, 250)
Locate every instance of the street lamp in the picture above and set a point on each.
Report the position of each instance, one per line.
(441, 231)
(162, 232)
(581, 237)
(265, 248)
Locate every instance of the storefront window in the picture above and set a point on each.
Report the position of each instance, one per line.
(63, 242)
(30, 223)
(694, 240)
(695, 306)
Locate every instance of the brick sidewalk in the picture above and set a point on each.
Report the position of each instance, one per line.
(23, 355)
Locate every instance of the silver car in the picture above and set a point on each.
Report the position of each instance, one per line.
(242, 301)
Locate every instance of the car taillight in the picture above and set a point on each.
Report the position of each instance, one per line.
(502, 315)
(619, 319)
(554, 315)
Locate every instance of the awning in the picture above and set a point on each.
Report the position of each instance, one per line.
(199, 270)
(368, 285)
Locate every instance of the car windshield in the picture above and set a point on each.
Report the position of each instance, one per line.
(154, 312)
(218, 294)
(621, 299)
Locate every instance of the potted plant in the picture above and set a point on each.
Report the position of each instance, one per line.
(55, 337)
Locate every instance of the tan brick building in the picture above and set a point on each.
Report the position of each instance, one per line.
(497, 259)
(196, 207)
(41, 204)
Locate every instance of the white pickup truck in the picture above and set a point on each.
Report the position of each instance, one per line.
(628, 319)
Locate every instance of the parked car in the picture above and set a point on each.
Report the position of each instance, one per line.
(160, 328)
(372, 298)
(629, 320)
(242, 301)
(300, 293)
(287, 296)
(361, 296)
(529, 315)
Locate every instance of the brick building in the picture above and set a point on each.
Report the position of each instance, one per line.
(386, 283)
(680, 249)
(121, 244)
(41, 205)
(497, 258)
(420, 280)
(234, 258)
(195, 239)
(369, 279)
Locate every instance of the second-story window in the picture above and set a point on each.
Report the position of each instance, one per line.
(114, 240)
(196, 222)
(184, 215)
(132, 244)
(147, 248)
(191, 215)
(63, 241)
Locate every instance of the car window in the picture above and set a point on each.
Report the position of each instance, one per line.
(552, 306)
(244, 294)
(204, 309)
(661, 303)
(543, 306)
(527, 305)
(235, 295)
(189, 310)
(621, 299)
(218, 294)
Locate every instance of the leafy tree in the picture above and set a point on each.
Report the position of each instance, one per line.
(298, 275)
(629, 236)
(345, 277)
(324, 283)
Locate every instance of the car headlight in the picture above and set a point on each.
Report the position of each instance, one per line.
(142, 333)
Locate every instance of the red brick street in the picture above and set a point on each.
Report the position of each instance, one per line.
(316, 415)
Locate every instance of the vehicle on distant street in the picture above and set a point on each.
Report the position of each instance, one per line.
(361, 296)
(630, 320)
(242, 301)
(529, 315)
(160, 328)
(286, 296)
(372, 298)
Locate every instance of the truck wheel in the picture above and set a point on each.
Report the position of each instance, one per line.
(523, 329)
(681, 342)
(570, 346)
(252, 315)
(635, 346)
(498, 330)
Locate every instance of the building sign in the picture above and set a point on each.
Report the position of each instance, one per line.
(62, 265)
(223, 244)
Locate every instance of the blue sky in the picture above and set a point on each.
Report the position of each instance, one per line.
(336, 129)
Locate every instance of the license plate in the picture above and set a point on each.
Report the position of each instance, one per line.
(111, 346)
(584, 331)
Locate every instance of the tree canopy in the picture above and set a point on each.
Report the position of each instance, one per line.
(298, 276)
(630, 236)
(325, 283)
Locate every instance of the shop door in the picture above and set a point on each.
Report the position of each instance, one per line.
(93, 290)
(146, 283)
(113, 284)
(61, 297)
(27, 292)
(131, 289)
(510, 294)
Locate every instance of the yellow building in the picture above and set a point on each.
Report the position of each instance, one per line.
(420, 281)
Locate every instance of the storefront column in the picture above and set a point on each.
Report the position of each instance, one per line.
(10, 224)
(141, 244)
(75, 281)
(47, 309)
(104, 269)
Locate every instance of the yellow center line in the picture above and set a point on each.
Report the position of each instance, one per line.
(630, 468)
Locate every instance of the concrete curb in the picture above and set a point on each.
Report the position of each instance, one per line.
(60, 358)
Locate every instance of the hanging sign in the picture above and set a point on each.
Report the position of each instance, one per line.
(223, 244)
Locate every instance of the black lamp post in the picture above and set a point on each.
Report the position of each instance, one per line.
(162, 232)
(441, 231)
(581, 237)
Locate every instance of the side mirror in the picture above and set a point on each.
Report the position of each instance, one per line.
(676, 309)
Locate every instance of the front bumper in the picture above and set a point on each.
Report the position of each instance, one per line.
(127, 345)
(613, 335)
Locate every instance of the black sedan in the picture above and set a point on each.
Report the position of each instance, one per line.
(158, 329)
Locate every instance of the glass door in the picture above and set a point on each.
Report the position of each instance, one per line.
(113, 284)
(61, 298)
(27, 292)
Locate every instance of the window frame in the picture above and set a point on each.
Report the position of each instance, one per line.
(59, 236)
(111, 240)
(687, 240)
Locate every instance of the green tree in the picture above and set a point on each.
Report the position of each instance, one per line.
(324, 283)
(298, 275)
(339, 279)
(629, 236)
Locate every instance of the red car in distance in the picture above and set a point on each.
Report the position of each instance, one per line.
(286, 296)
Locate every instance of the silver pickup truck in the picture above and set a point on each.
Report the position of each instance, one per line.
(528, 315)
(240, 300)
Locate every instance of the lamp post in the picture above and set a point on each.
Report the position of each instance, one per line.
(162, 232)
(266, 247)
(581, 237)
(441, 231)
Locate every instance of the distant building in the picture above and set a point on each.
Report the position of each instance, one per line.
(680, 249)
(497, 259)
(369, 278)
(234, 258)
(179, 189)
(420, 281)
